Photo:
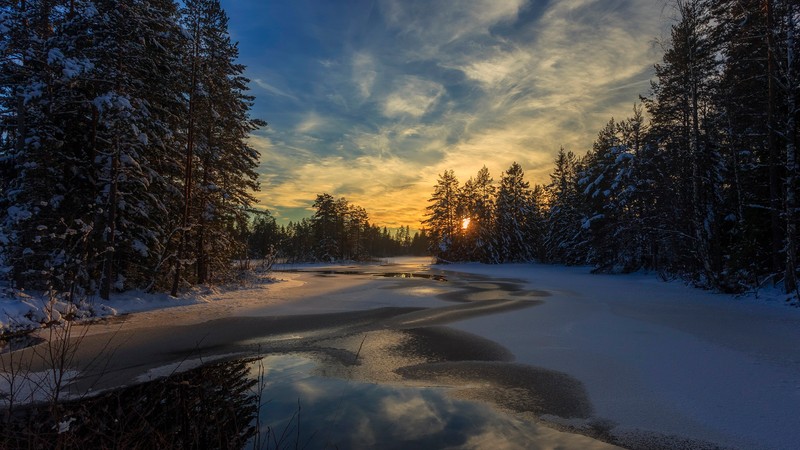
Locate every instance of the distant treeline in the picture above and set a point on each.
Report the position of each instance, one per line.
(705, 189)
(337, 231)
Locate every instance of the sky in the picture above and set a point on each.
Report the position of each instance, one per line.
(372, 99)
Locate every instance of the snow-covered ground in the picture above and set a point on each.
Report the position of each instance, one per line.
(653, 356)
(23, 311)
(660, 356)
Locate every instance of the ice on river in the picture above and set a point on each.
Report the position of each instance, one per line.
(659, 356)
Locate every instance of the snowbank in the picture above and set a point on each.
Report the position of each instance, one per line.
(22, 311)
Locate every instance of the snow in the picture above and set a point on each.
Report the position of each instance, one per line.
(653, 356)
(623, 157)
(659, 356)
(181, 366)
(21, 310)
(29, 387)
(54, 55)
(17, 214)
(139, 247)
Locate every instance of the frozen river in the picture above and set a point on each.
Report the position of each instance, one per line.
(401, 354)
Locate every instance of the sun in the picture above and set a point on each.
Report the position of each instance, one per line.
(465, 223)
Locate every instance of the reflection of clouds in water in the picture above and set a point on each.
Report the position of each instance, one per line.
(512, 436)
(310, 391)
(490, 438)
(365, 430)
(412, 415)
(351, 414)
(280, 368)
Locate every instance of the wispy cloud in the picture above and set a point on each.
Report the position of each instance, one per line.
(412, 96)
(272, 89)
(446, 22)
(385, 98)
(312, 121)
(364, 74)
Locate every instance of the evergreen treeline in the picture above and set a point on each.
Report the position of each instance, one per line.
(123, 155)
(337, 231)
(706, 188)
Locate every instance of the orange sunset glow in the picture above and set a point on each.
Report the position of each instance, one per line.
(464, 85)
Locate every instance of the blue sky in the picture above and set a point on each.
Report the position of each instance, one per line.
(371, 100)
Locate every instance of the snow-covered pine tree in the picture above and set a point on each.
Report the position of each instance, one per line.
(536, 222)
(218, 164)
(33, 236)
(614, 188)
(88, 167)
(468, 243)
(785, 60)
(683, 113)
(137, 107)
(751, 226)
(791, 71)
(565, 241)
(511, 215)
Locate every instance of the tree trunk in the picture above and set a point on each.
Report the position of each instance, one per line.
(772, 143)
(790, 281)
(187, 174)
(202, 256)
(111, 228)
(700, 202)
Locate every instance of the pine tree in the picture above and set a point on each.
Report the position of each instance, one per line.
(786, 55)
(511, 213)
(617, 197)
(536, 222)
(92, 183)
(326, 228)
(265, 236)
(683, 117)
(443, 223)
(37, 241)
(564, 239)
(219, 166)
(134, 109)
(476, 210)
(85, 159)
(356, 225)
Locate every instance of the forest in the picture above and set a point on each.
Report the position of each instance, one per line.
(124, 159)
(700, 182)
(337, 231)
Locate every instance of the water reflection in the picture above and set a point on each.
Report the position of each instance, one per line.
(327, 272)
(214, 406)
(316, 388)
(427, 276)
(274, 402)
(316, 412)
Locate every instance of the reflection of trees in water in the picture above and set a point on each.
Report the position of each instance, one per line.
(213, 406)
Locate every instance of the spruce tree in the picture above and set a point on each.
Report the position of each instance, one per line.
(442, 222)
(565, 240)
(683, 115)
(511, 215)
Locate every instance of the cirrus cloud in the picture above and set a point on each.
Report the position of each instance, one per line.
(373, 99)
